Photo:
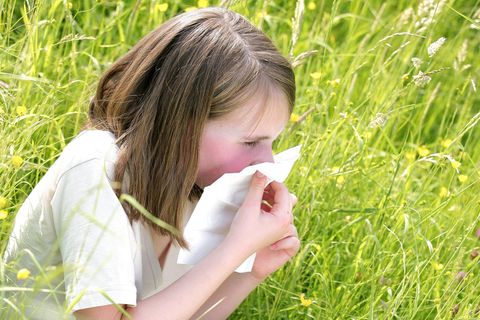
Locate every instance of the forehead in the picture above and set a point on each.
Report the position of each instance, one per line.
(265, 113)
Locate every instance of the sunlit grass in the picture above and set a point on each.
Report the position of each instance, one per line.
(388, 181)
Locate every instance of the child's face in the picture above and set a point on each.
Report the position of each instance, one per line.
(224, 146)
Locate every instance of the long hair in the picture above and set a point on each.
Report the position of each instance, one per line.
(156, 99)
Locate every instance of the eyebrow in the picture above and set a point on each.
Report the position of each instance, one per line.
(259, 138)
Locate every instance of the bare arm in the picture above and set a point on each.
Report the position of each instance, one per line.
(227, 297)
(185, 296)
(198, 283)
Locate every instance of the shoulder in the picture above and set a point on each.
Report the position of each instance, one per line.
(88, 145)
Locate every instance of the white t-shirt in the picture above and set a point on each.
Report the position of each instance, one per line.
(74, 227)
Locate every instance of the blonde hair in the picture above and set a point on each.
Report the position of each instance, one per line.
(156, 99)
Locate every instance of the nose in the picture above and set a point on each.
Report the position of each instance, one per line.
(264, 155)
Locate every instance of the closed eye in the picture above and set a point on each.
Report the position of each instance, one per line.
(251, 143)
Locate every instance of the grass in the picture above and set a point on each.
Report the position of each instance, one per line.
(387, 219)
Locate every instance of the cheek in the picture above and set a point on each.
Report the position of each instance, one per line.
(219, 158)
(234, 162)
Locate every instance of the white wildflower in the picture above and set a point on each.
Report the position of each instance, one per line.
(461, 56)
(474, 87)
(379, 121)
(476, 19)
(421, 79)
(435, 46)
(426, 13)
(407, 14)
(417, 62)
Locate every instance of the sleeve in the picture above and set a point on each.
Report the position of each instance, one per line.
(96, 240)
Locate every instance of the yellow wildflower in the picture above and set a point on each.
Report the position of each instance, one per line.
(17, 161)
(260, 15)
(162, 7)
(23, 274)
(311, 5)
(446, 143)
(410, 156)
(315, 75)
(305, 302)
(462, 178)
(405, 77)
(367, 135)
(437, 266)
(443, 192)
(21, 110)
(188, 9)
(3, 214)
(334, 83)
(455, 164)
(294, 117)
(3, 202)
(340, 180)
(202, 3)
(423, 151)
(335, 169)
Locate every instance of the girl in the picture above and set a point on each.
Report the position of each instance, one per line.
(204, 94)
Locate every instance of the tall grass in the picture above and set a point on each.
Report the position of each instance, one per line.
(388, 182)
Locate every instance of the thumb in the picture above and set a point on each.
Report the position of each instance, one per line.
(256, 189)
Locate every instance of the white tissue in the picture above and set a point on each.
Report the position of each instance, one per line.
(214, 212)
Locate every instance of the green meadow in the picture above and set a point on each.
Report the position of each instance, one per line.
(387, 113)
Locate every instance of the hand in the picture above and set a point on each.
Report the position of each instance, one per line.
(254, 228)
(272, 257)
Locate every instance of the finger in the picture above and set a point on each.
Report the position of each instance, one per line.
(281, 199)
(294, 199)
(255, 191)
(290, 206)
(286, 243)
(292, 231)
(289, 213)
